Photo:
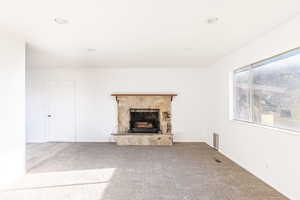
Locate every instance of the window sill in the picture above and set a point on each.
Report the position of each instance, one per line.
(280, 130)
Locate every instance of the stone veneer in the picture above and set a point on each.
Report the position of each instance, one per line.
(154, 102)
(143, 139)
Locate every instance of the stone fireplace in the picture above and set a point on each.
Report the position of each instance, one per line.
(144, 119)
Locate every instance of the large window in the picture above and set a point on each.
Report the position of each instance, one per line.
(268, 92)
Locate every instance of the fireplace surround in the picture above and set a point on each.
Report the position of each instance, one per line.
(144, 119)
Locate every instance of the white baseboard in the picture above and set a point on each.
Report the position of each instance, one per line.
(108, 140)
(36, 141)
(187, 140)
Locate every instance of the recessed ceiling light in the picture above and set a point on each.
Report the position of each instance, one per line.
(59, 20)
(211, 20)
(90, 49)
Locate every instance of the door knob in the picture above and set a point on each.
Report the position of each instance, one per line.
(49, 115)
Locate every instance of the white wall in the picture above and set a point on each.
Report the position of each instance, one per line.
(271, 155)
(97, 110)
(12, 108)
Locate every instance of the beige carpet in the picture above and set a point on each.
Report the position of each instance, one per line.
(103, 171)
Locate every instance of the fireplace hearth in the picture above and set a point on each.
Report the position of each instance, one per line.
(144, 120)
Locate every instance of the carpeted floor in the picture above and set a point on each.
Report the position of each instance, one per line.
(104, 171)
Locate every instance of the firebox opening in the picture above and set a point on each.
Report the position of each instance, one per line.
(144, 121)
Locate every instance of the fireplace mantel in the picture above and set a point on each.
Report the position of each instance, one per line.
(142, 94)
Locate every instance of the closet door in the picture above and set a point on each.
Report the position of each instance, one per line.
(61, 114)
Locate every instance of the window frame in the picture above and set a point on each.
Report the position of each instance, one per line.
(250, 67)
(242, 69)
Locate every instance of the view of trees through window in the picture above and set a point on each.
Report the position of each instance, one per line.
(268, 93)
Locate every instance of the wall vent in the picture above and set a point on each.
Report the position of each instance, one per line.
(216, 141)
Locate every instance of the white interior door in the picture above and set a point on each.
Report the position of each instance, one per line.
(61, 115)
